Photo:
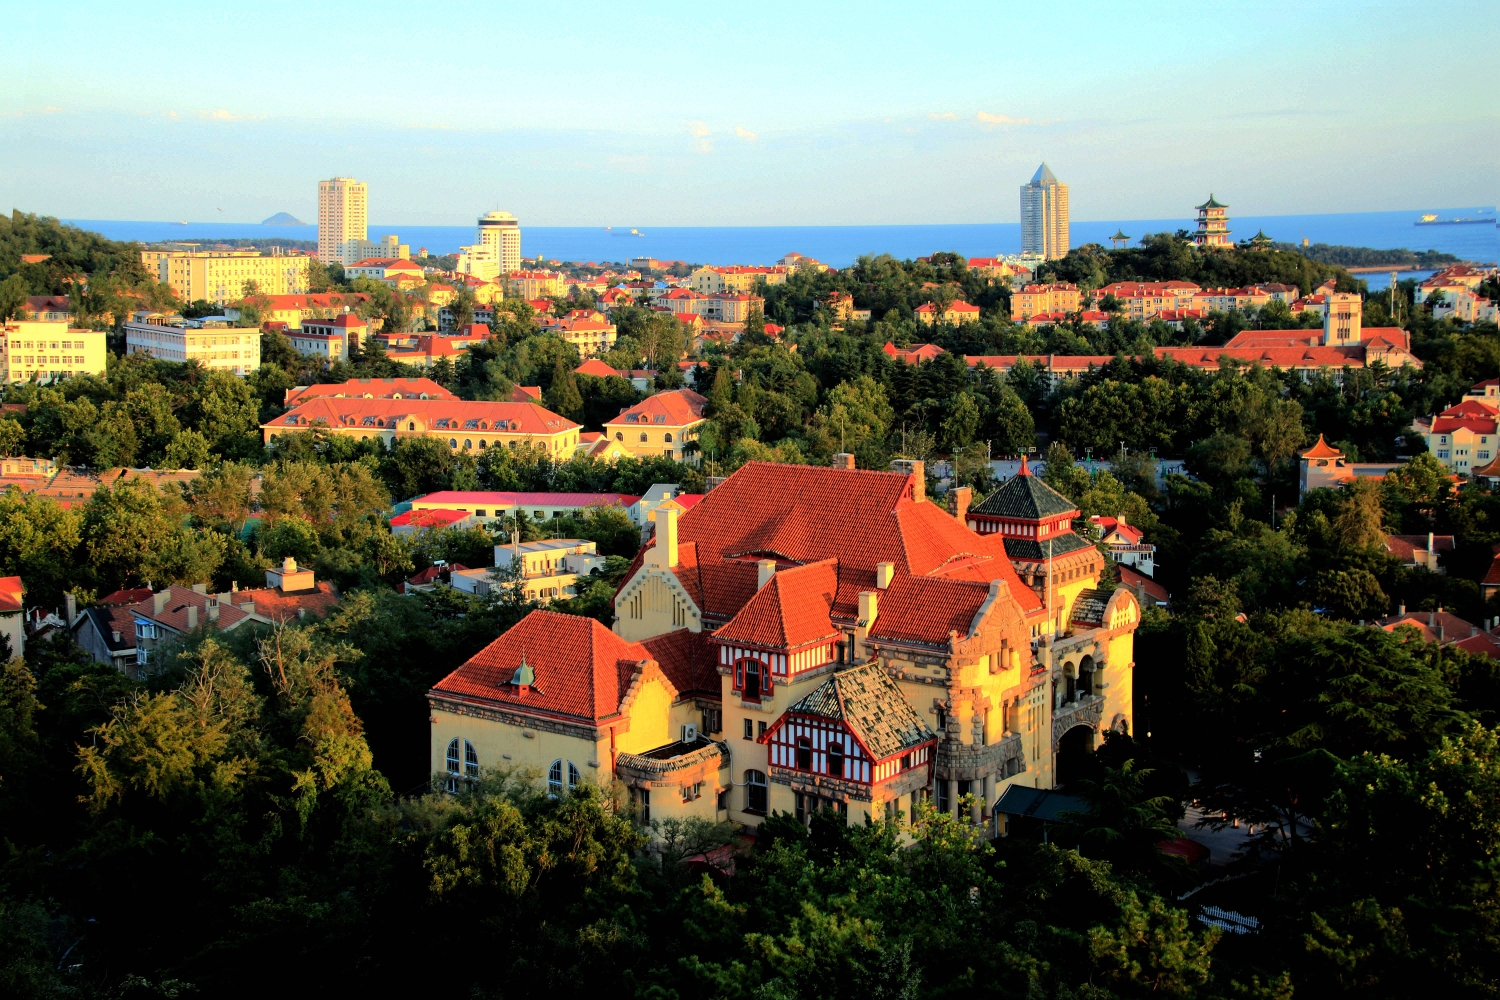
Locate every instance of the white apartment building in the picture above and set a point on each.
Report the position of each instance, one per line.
(343, 220)
(388, 247)
(49, 351)
(498, 250)
(227, 348)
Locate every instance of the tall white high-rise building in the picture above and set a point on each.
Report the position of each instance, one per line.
(1044, 216)
(498, 250)
(343, 219)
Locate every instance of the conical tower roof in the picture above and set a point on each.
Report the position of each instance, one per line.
(1322, 450)
(1043, 176)
(1024, 497)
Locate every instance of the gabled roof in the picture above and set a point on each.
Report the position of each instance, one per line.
(375, 388)
(1089, 607)
(790, 611)
(593, 366)
(688, 661)
(1025, 497)
(679, 407)
(582, 669)
(868, 702)
(279, 606)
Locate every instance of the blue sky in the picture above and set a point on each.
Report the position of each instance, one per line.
(783, 114)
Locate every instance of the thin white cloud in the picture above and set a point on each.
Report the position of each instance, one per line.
(745, 133)
(943, 116)
(702, 136)
(225, 115)
(50, 109)
(985, 118)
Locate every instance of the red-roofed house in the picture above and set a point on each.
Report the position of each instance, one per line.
(957, 313)
(1465, 436)
(913, 355)
(1125, 543)
(663, 424)
(566, 695)
(1323, 467)
(413, 522)
(329, 340)
(488, 505)
(1420, 551)
(1445, 629)
(391, 270)
(465, 425)
(851, 618)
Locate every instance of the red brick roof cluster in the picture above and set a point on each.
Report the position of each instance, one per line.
(790, 611)
(526, 418)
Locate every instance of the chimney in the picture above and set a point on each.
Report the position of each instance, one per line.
(883, 573)
(71, 603)
(159, 601)
(869, 607)
(958, 504)
(200, 588)
(213, 610)
(666, 537)
(1121, 518)
(114, 635)
(843, 460)
(192, 613)
(1402, 609)
(766, 568)
(915, 468)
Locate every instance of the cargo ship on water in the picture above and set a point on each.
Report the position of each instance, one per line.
(1471, 220)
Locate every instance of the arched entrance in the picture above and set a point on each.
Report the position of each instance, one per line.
(1074, 753)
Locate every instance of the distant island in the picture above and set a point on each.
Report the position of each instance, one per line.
(1324, 253)
(283, 219)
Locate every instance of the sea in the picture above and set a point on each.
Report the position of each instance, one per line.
(839, 246)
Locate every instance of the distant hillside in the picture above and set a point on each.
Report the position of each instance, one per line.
(1168, 257)
(1325, 253)
(283, 219)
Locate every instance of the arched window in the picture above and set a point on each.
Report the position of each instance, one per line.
(836, 759)
(667, 438)
(471, 760)
(619, 436)
(555, 778)
(643, 437)
(804, 754)
(454, 765)
(468, 444)
(755, 792)
(481, 444)
(573, 776)
(411, 426)
(453, 443)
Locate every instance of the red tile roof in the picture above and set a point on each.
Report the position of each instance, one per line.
(525, 418)
(427, 518)
(1322, 450)
(790, 611)
(679, 406)
(281, 606)
(1133, 578)
(132, 596)
(593, 366)
(688, 661)
(1405, 547)
(803, 514)
(583, 670)
(375, 388)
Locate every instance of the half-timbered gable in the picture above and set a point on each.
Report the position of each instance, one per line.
(855, 729)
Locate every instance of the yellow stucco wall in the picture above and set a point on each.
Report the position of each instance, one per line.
(649, 717)
(501, 745)
(652, 604)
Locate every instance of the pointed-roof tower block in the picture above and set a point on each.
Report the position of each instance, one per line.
(1044, 175)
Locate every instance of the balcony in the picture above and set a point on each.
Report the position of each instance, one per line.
(971, 762)
(1087, 710)
(674, 763)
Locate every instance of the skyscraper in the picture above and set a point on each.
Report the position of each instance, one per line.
(1044, 216)
(498, 250)
(343, 219)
